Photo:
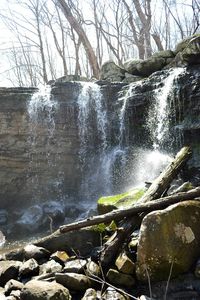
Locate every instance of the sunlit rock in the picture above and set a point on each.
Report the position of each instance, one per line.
(73, 281)
(8, 270)
(121, 279)
(124, 264)
(169, 241)
(37, 289)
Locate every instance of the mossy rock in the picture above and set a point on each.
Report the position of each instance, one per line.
(124, 200)
(184, 43)
(164, 54)
(169, 239)
(150, 65)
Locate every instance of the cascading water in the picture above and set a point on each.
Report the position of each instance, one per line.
(92, 125)
(41, 109)
(150, 162)
(159, 115)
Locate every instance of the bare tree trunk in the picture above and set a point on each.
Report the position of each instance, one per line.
(82, 35)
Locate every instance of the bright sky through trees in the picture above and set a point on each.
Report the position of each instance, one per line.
(39, 41)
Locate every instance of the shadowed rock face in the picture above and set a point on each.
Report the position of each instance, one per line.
(49, 169)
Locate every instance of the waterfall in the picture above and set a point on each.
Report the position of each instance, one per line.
(93, 134)
(159, 115)
(41, 109)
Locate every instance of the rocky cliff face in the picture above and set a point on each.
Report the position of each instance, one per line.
(39, 163)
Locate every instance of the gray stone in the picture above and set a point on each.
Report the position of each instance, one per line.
(32, 251)
(131, 66)
(111, 72)
(73, 281)
(42, 290)
(150, 65)
(121, 279)
(93, 269)
(112, 294)
(169, 237)
(13, 285)
(164, 54)
(50, 267)
(8, 270)
(90, 294)
(31, 220)
(131, 78)
(75, 265)
(29, 268)
(16, 294)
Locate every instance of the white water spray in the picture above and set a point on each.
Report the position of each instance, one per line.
(159, 116)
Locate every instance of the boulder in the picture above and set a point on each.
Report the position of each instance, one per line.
(169, 239)
(164, 54)
(13, 285)
(90, 294)
(150, 65)
(36, 289)
(32, 251)
(30, 221)
(73, 281)
(111, 72)
(131, 66)
(75, 266)
(60, 256)
(8, 270)
(124, 264)
(108, 203)
(50, 267)
(112, 294)
(121, 279)
(29, 268)
(93, 269)
(184, 43)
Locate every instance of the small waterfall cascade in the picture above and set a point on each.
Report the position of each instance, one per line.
(93, 134)
(150, 162)
(159, 115)
(41, 110)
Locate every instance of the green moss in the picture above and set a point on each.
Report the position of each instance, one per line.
(106, 204)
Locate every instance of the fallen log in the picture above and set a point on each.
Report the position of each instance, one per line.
(155, 191)
(122, 213)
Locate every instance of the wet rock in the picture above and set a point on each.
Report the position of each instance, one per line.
(50, 267)
(168, 239)
(3, 216)
(32, 251)
(29, 268)
(36, 289)
(8, 270)
(112, 294)
(131, 78)
(31, 220)
(124, 264)
(75, 266)
(90, 294)
(197, 269)
(111, 72)
(121, 279)
(54, 210)
(60, 256)
(92, 269)
(73, 281)
(13, 285)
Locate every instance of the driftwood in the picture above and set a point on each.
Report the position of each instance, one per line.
(155, 191)
(122, 213)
